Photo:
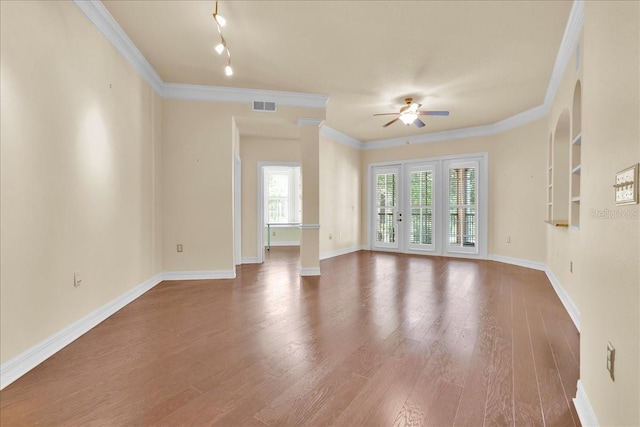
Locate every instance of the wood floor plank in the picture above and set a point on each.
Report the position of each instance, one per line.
(527, 405)
(555, 408)
(379, 339)
(383, 396)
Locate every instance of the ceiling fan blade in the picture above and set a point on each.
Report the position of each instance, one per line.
(391, 122)
(418, 123)
(385, 114)
(433, 113)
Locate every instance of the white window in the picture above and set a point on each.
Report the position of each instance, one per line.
(283, 195)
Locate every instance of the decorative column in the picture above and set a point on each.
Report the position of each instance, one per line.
(310, 227)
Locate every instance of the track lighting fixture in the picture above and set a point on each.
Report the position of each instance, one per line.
(222, 46)
(220, 20)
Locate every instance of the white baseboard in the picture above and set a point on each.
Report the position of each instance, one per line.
(313, 271)
(338, 252)
(199, 275)
(250, 260)
(16, 367)
(571, 308)
(519, 262)
(285, 243)
(584, 409)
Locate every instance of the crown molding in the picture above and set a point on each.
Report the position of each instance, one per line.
(470, 132)
(336, 135)
(240, 95)
(98, 14)
(311, 121)
(569, 42)
(107, 25)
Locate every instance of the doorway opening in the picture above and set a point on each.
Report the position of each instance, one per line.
(279, 209)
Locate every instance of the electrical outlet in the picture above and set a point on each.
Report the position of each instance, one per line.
(273, 233)
(611, 358)
(179, 247)
(77, 279)
(508, 239)
(330, 236)
(340, 235)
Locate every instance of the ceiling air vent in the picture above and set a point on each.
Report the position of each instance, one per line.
(268, 106)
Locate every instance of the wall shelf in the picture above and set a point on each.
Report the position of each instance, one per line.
(576, 157)
(559, 223)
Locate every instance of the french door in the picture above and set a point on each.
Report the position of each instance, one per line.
(432, 206)
(386, 211)
(419, 203)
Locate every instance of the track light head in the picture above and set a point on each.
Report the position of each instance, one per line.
(220, 20)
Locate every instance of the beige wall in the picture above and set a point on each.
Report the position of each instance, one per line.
(283, 235)
(609, 249)
(197, 186)
(79, 172)
(339, 196)
(517, 185)
(252, 151)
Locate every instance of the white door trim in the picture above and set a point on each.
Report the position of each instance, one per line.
(237, 220)
(397, 245)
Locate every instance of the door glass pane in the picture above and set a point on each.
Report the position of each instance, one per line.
(385, 207)
(421, 225)
(462, 208)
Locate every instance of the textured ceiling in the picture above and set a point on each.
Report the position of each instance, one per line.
(483, 61)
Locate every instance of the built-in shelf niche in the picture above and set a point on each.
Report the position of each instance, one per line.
(559, 173)
(576, 152)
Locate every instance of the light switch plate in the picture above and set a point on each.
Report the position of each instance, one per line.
(626, 186)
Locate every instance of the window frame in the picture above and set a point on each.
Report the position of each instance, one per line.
(293, 198)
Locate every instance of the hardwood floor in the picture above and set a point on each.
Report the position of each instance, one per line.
(378, 339)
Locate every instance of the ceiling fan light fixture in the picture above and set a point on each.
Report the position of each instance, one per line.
(408, 118)
(228, 70)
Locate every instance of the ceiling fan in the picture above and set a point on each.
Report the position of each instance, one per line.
(409, 114)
